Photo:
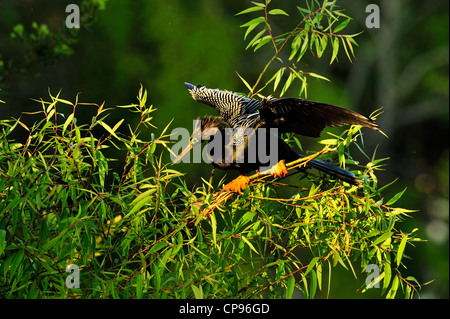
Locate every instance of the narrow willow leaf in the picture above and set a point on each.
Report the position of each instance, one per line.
(256, 38)
(335, 45)
(214, 228)
(255, 21)
(319, 275)
(249, 244)
(118, 124)
(304, 47)
(290, 287)
(401, 249)
(108, 128)
(261, 42)
(262, 5)
(67, 122)
(2, 241)
(295, 46)
(341, 26)
(395, 198)
(301, 10)
(387, 276)
(287, 84)
(278, 11)
(140, 201)
(311, 265)
(344, 44)
(314, 75)
(251, 9)
(249, 29)
(349, 43)
(279, 74)
(245, 82)
(313, 284)
(393, 291)
(198, 291)
(383, 237)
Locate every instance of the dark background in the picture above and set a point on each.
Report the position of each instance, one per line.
(401, 67)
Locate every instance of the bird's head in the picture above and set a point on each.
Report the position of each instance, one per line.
(205, 127)
(197, 91)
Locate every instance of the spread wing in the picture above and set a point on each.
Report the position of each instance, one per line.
(308, 118)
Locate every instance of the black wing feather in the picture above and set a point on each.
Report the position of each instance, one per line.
(308, 118)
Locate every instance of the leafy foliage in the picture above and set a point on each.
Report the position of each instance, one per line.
(140, 232)
(320, 24)
(61, 205)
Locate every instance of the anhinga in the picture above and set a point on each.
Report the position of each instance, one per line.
(245, 115)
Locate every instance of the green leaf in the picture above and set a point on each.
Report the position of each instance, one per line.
(396, 197)
(256, 38)
(383, 237)
(311, 265)
(255, 21)
(341, 26)
(198, 291)
(335, 45)
(344, 44)
(67, 122)
(214, 228)
(118, 124)
(16, 262)
(393, 291)
(249, 29)
(314, 75)
(401, 248)
(251, 9)
(157, 247)
(140, 201)
(249, 244)
(290, 287)
(278, 11)
(2, 241)
(261, 42)
(108, 128)
(262, 5)
(295, 46)
(279, 74)
(287, 84)
(304, 10)
(245, 82)
(319, 275)
(313, 284)
(387, 276)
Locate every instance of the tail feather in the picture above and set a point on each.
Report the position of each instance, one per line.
(333, 170)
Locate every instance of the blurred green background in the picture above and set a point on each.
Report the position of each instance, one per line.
(401, 67)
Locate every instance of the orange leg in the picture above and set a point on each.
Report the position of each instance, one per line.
(237, 185)
(279, 170)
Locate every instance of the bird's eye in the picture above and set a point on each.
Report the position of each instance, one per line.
(194, 140)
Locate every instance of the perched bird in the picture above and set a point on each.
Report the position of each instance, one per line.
(243, 114)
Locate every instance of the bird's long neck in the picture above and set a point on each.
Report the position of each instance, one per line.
(228, 104)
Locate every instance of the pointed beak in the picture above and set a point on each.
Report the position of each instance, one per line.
(189, 85)
(187, 149)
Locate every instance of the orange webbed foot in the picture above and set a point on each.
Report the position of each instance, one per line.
(279, 170)
(237, 185)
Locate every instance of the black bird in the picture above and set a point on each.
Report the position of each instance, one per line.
(295, 115)
(213, 130)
